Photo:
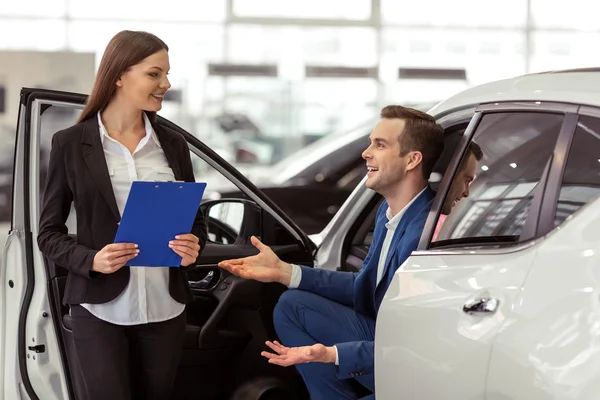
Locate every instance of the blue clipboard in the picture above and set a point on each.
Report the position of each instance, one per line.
(154, 214)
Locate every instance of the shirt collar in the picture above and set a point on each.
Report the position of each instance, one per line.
(395, 220)
(147, 124)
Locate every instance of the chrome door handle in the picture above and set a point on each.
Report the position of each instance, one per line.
(482, 305)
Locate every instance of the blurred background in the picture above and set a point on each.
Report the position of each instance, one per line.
(260, 80)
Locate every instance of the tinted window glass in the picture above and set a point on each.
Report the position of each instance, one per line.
(516, 148)
(581, 180)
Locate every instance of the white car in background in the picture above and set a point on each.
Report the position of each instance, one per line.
(503, 303)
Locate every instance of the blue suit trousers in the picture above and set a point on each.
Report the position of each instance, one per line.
(303, 319)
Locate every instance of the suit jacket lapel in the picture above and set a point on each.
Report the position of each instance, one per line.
(93, 154)
(406, 219)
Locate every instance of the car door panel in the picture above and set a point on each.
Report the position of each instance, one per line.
(425, 336)
(548, 348)
(229, 318)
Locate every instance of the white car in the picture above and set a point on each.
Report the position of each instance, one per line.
(500, 301)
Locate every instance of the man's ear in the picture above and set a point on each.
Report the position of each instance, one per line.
(415, 158)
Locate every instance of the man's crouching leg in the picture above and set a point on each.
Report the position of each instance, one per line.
(303, 319)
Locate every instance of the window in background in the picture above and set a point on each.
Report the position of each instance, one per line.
(174, 10)
(261, 44)
(295, 46)
(563, 50)
(26, 34)
(485, 55)
(195, 40)
(331, 105)
(576, 15)
(296, 105)
(250, 118)
(33, 8)
(460, 13)
(354, 47)
(307, 9)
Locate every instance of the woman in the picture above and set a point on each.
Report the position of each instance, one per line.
(128, 323)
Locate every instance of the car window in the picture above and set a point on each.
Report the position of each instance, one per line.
(228, 222)
(581, 179)
(516, 148)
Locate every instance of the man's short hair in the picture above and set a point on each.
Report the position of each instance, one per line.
(472, 149)
(421, 133)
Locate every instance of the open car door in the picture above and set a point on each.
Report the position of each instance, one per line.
(228, 321)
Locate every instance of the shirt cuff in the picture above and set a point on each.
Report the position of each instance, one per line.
(337, 358)
(296, 276)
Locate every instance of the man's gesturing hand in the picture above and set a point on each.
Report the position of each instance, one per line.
(263, 267)
(113, 256)
(287, 356)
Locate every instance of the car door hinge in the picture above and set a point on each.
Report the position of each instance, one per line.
(40, 348)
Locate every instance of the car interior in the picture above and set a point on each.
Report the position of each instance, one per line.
(229, 319)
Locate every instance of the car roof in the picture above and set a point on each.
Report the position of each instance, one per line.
(578, 86)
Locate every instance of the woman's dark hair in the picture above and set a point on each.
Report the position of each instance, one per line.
(125, 49)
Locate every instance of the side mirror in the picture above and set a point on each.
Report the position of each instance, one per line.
(231, 221)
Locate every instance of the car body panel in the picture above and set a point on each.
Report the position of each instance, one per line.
(424, 336)
(549, 346)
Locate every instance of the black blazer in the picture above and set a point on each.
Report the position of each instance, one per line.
(78, 174)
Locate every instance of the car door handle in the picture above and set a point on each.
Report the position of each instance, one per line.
(481, 305)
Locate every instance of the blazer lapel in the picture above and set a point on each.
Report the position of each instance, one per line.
(172, 154)
(406, 219)
(93, 154)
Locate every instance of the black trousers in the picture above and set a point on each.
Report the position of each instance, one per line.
(127, 362)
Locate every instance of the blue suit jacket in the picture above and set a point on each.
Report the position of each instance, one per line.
(359, 290)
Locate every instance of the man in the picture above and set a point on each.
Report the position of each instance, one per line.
(465, 175)
(328, 323)
(461, 183)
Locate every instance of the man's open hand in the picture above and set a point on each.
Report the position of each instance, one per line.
(264, 267)
(286, 356)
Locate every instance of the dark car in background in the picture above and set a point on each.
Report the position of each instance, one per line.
(311, 184)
